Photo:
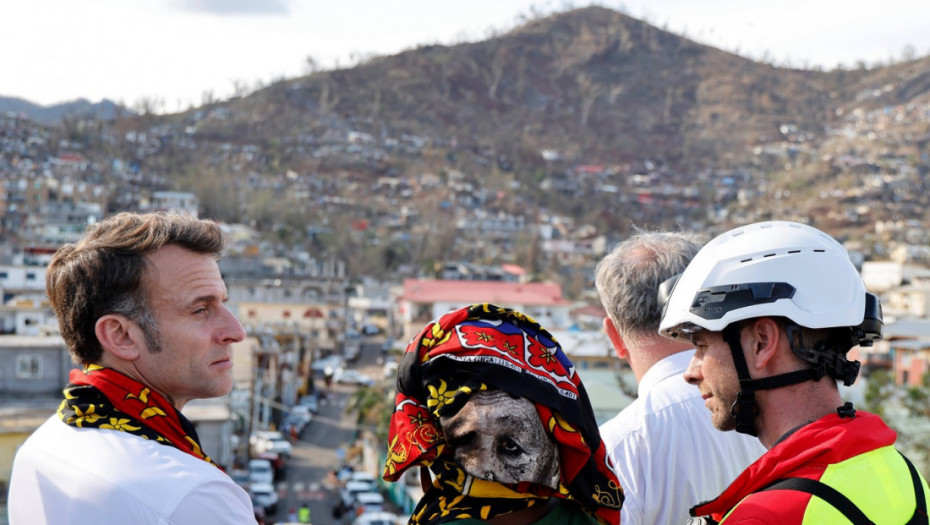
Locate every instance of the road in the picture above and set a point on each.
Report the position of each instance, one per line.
(316, 452)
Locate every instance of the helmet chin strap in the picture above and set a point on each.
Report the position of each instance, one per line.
(745, 409)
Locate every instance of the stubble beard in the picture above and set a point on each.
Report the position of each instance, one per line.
(723, 417)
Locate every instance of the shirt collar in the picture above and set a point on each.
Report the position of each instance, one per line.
(675, 364)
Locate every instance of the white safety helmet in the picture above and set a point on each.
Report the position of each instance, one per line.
(776, 268)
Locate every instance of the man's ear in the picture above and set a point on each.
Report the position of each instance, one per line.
(765, 336)
(615, 339)
(117, 336)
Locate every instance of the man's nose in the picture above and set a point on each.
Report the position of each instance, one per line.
(233, 332)
(693, 373)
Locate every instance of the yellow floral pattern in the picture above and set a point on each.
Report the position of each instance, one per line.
(98, 397)
(121, 424)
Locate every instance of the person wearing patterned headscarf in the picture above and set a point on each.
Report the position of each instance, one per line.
(491, 405)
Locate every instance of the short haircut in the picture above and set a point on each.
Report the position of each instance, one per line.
(628, 278)
(103, 273)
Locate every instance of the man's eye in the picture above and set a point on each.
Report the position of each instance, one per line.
(510, 447)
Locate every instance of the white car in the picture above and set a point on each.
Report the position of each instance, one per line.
(332, 362)
(365, 477)
(377, 518)
(260, 471)
(368, 502)
(353, 489)
(351, 376)
(264, 495)
(270, 441)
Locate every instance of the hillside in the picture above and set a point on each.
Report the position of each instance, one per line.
(53, 115)
(589, 121)
(592, 83)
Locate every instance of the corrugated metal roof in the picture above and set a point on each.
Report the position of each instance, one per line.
(907, 328)
(30, 341)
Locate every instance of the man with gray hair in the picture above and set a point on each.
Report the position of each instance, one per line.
(667, 454)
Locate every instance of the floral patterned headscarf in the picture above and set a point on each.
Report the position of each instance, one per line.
(485, 347)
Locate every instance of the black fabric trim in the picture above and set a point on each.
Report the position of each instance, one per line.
(847, 507)
(920, 508)
(826, 493)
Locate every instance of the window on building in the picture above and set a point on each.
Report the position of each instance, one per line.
(30, 276)
(4, 275)
(28, 366)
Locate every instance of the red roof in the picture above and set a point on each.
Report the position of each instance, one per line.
(589, 168)
(593, 310)
(472, 292)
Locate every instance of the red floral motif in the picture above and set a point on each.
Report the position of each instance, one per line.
(484, 337)
(540, 356)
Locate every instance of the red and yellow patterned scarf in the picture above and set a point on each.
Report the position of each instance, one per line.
(99, 397)
(473, 349)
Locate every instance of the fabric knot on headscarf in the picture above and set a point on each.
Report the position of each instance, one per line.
(482, 349)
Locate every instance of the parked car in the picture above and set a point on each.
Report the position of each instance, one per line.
(269, 441)
(311, 401)
(332, 362)
(365, 477)
(368, 502)
(278, 464)
(301, 414)
(352, 350)
(264, 495)
(377, 518)
(351, 490)
(260, 471)
(294, 424)
(350, 376)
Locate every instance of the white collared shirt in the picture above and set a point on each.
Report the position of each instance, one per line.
(667, 454)
(64, 475)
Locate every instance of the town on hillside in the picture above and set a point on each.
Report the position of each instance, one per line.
(353, 221)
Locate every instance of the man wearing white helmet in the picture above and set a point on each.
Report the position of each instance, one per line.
(772, 308)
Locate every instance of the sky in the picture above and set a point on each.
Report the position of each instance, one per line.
(178, 52)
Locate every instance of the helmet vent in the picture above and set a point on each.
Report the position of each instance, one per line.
(769, 255)
(820, 251)
(794, 251)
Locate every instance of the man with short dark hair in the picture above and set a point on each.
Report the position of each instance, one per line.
(140, 302)
(667, 454)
